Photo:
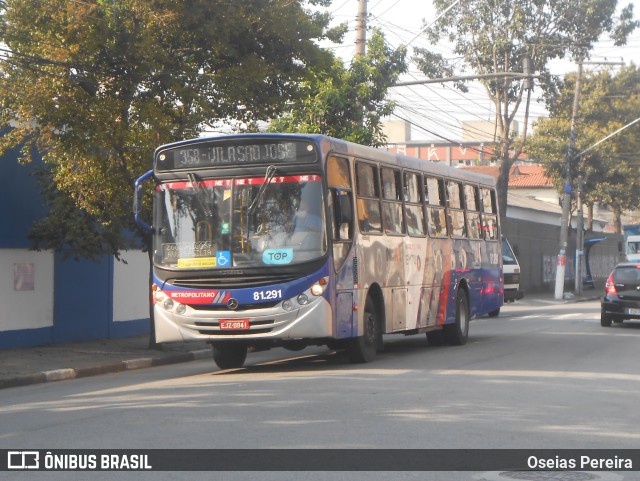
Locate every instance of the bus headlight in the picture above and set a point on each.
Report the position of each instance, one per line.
(287, 305)
(316, 290)
(168, 304)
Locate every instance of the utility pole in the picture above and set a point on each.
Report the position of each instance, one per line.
(361, 29)
(579, 237)
(561, 265)
(566, 200)
(580, 219)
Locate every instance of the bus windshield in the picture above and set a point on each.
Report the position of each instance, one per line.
(250, 222)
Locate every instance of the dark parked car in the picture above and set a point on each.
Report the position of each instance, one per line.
(622, 294)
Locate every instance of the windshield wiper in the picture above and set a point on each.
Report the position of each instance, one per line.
(195, 184)
(271, 172)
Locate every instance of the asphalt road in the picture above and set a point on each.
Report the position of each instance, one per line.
(545, 376)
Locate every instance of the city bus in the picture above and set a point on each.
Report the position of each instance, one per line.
(292, 240)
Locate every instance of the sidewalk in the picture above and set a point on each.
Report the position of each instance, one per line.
(24, 366)
(32, 365)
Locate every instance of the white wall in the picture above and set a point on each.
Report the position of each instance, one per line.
(131, 287)
(29, 305)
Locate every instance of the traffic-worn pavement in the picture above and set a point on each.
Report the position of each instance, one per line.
(24, 366)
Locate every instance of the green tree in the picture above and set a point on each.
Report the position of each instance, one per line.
(95, 85)
(349, 102)
(611, 171)
(497, 37)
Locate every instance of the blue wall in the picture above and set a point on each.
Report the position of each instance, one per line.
(83, 290)
(83, 306)
(20, 200)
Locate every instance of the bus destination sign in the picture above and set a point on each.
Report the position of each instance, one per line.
(226, 153)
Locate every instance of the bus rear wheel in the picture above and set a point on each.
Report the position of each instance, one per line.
(457, 333)
(229, 355)
(364, 348)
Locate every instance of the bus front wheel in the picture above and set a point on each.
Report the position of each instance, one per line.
(364, 348)
(457, 333)
(229, 355)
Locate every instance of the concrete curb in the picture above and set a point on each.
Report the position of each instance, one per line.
(119, 366)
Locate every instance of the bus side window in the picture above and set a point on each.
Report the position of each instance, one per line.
(342, 214)
(341, 202)
(489, 213)
(392, 194)
(473, 211)
(413, 204)
(368, 192)
(455, 210)
(435, 200)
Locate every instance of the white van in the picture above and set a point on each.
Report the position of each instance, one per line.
(510, 273)
(632, 248)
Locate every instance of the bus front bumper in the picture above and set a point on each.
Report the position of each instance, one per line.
(310, 321)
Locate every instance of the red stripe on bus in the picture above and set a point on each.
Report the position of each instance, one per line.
(203, 183)
(444, 298)
(248, 181)
(278, 180)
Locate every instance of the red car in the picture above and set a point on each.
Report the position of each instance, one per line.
(621, 300)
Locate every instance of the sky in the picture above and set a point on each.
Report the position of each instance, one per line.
(438, 110)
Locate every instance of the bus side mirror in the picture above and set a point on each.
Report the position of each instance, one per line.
(138, 194)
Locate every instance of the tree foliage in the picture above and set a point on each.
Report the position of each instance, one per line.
(611, 171)
(349, 102)
(95, 85)
(506, 36)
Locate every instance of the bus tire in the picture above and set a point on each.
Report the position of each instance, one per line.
(495, 313)
(363, 349)
(457, 333)
(229, 355)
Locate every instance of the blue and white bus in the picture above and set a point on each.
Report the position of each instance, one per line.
(291, 240)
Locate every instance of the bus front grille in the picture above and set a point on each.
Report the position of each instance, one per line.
(230, 282)
(241, 307)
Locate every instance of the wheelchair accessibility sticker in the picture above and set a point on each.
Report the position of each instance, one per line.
(223, 258)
